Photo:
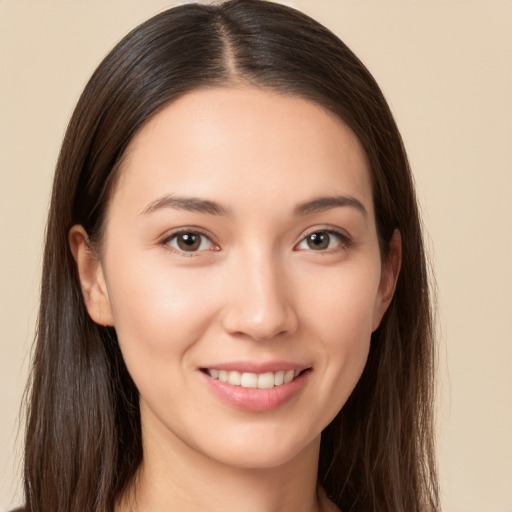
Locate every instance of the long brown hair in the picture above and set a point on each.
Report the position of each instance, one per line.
(83, 440)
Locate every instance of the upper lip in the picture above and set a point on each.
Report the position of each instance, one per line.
(254, 367)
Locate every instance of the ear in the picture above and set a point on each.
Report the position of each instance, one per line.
(388, 278)
(92, 280)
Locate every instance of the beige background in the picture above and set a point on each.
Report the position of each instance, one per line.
(446, 68)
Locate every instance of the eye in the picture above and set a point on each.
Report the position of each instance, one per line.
(189, 241)
(323, 240)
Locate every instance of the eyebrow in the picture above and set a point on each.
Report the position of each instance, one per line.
(194, 204)
(321, 204)
(191, 204)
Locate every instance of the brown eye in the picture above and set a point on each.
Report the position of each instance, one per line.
(190, 241)
(322, 240)
(318, 241)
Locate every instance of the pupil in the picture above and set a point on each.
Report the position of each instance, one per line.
(318, 241)
(188, 241)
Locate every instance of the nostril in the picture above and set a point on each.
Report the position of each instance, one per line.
(271, 324)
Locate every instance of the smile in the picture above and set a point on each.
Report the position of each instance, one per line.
(256, 391)
(265, 380)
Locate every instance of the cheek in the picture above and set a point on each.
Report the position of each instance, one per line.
(342, 302)
(341, 316)
(159, 312)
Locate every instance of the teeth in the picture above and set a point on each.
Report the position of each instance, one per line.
(254, 380)
(266, 380)
(249, 380)
(234, 378)
(288, 376)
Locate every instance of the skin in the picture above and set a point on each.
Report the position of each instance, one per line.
(255, 290)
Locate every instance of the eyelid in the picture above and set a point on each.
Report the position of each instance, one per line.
(166, 239)
(345, 239)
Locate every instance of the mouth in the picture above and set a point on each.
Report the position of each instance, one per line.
(266, 380)
(256, 387)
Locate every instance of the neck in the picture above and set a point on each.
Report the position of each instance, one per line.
(174, 477)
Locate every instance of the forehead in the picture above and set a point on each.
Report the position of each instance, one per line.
(245, 146)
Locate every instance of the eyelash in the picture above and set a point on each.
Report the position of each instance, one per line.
(345, 241)
(166, 241)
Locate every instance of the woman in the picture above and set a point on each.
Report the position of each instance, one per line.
(235, 309)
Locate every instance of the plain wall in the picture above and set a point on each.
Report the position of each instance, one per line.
(445, 67)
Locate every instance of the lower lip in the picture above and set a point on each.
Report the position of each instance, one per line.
(255, 399)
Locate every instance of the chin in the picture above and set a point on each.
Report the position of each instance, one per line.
(262, 452)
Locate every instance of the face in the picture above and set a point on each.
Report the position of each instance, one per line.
(241, 270)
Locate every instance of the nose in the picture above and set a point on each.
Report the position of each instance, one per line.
(259, 305)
